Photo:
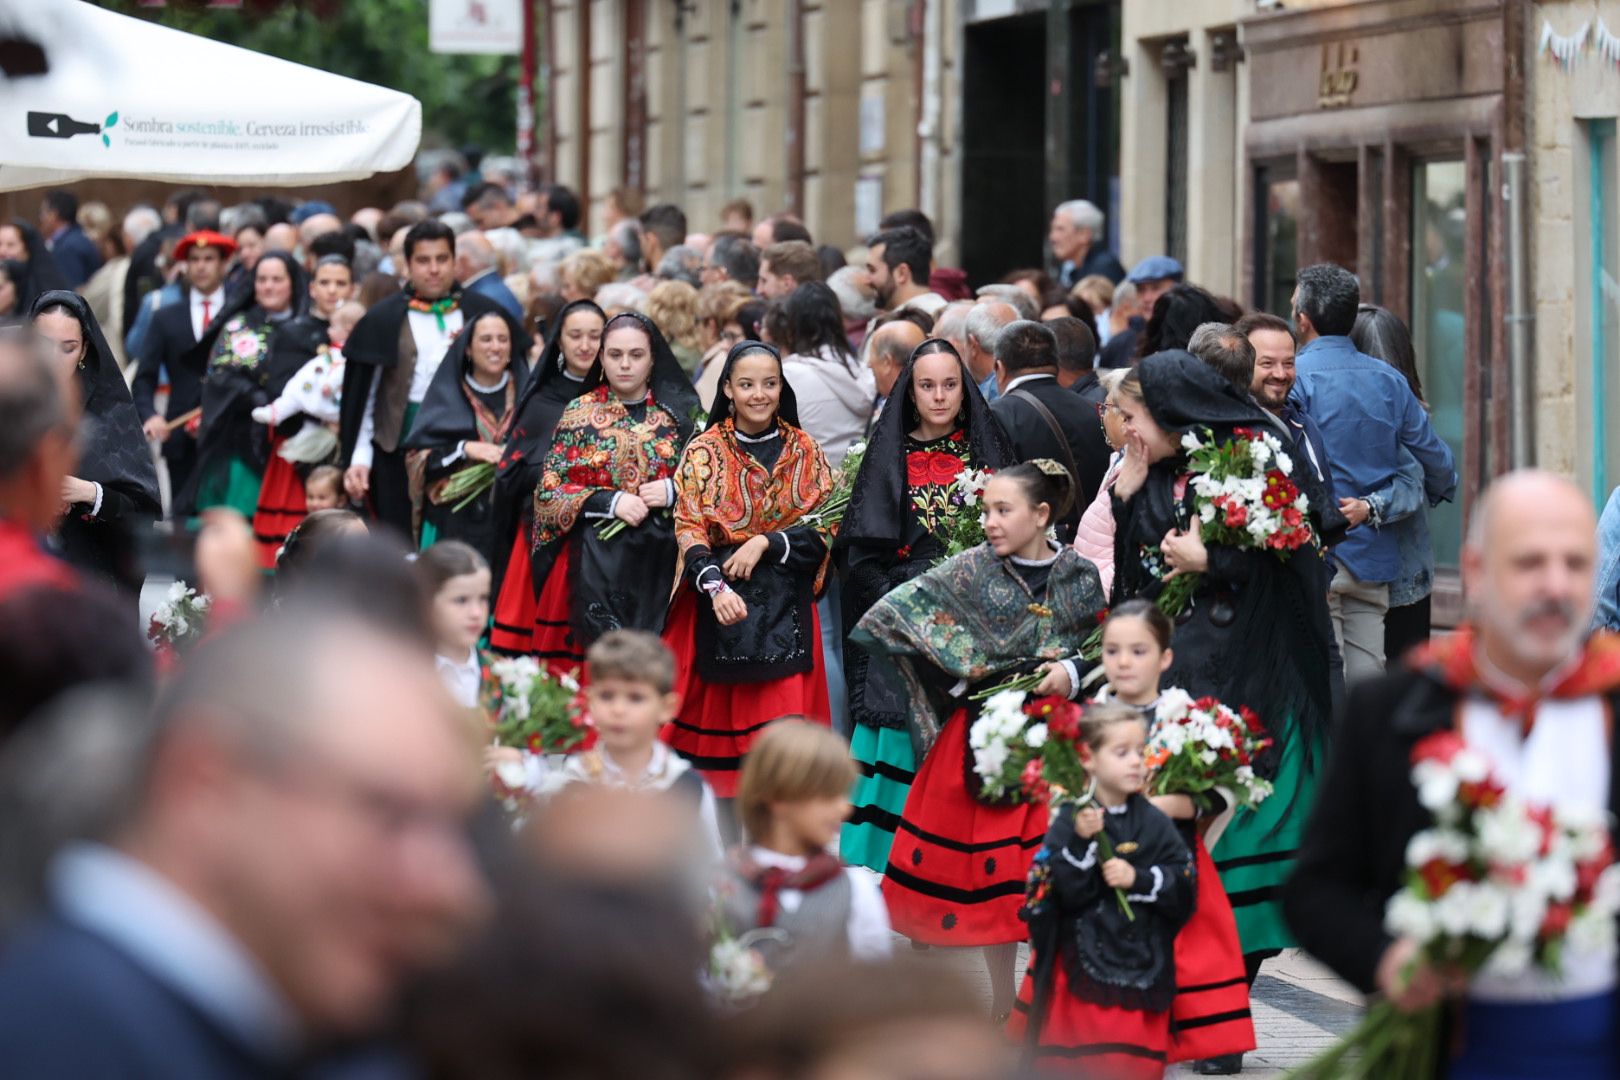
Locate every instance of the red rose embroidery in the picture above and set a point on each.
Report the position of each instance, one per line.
(917, 468)
(944, 468)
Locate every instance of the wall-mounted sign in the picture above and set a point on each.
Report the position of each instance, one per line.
(1338, 79)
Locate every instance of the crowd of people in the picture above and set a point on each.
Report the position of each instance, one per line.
(784, 516)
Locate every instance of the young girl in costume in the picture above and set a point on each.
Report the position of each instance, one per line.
(456, 577)
(1209, 1020)
(936, 425)
(559, 377)
(611, 464)
(956, 868)
(793, 797)
(743, 626)
(1096, 1001)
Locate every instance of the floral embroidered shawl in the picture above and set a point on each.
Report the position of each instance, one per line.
(723, 496)
(596, 447)
(973, 617)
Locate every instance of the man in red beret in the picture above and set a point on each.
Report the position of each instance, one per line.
(175, 346)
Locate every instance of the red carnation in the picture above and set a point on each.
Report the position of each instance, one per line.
(1441, 746)
(1237, 516)
(1033, 782)
(1065, 723)
(1439, 876)
(1556, 924)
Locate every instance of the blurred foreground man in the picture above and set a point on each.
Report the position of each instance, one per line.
(1523, 685)
(295, 851)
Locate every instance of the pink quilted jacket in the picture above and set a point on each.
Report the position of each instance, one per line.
(1094, 539)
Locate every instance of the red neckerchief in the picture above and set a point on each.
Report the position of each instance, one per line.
(24, 563)
(1452, 661)
(819, 869)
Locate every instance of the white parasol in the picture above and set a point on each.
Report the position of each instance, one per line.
(121, 97)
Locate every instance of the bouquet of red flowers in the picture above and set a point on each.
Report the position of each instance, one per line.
(1200, 745)
(1029, 751)
(1244, 496)
(538, 712)
(1495, 886)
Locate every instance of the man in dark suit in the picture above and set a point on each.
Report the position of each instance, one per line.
(173, 346)
(275, 880)
(1045, 420)
(1523, 687)
(75, 253)
(478, 270)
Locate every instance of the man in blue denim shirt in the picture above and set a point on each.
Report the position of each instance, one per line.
(1367, 415)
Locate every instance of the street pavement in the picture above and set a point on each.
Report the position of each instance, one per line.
(1300, 1008)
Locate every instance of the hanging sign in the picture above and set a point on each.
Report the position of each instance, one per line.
(476, 26)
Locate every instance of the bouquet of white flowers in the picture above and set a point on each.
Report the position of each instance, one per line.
(177, 623)
(1495, 886)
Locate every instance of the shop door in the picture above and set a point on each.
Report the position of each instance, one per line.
(1439, 288)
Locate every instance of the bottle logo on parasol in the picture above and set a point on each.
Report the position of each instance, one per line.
(42, 125)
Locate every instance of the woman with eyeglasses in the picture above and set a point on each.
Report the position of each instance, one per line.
(720, 327)
(1094, 538)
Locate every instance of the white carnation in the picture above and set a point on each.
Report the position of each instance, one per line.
(1407, 916)
(1510, 958)
(1036, 736)
(1506, 836)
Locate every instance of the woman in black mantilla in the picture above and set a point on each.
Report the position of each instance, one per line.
(935, 425)
(464, 421)
(612, 457)
(33, 270)
(245, 350)
(115, 489)
(1256, 633)
(558, 378)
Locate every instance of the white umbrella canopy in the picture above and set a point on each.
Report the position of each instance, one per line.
(125, 98)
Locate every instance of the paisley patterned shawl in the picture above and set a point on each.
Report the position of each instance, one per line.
(973, 618)
(723, 496)
(596, 447)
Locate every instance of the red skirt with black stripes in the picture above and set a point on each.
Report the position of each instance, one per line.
(513, 629)
(718, 722)
(554, 643)
(1210, 1015)
(281, 505)
(1078, 1038)
(957, 866)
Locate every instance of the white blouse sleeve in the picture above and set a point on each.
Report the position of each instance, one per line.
(869, 935)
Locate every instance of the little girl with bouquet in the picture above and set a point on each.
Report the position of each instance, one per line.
(1210, 1020)
(1108, 892)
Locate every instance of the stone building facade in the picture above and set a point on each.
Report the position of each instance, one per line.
(839, 110)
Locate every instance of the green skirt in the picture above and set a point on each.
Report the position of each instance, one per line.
(235, 486)
(1256, 853)
(888, 764)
